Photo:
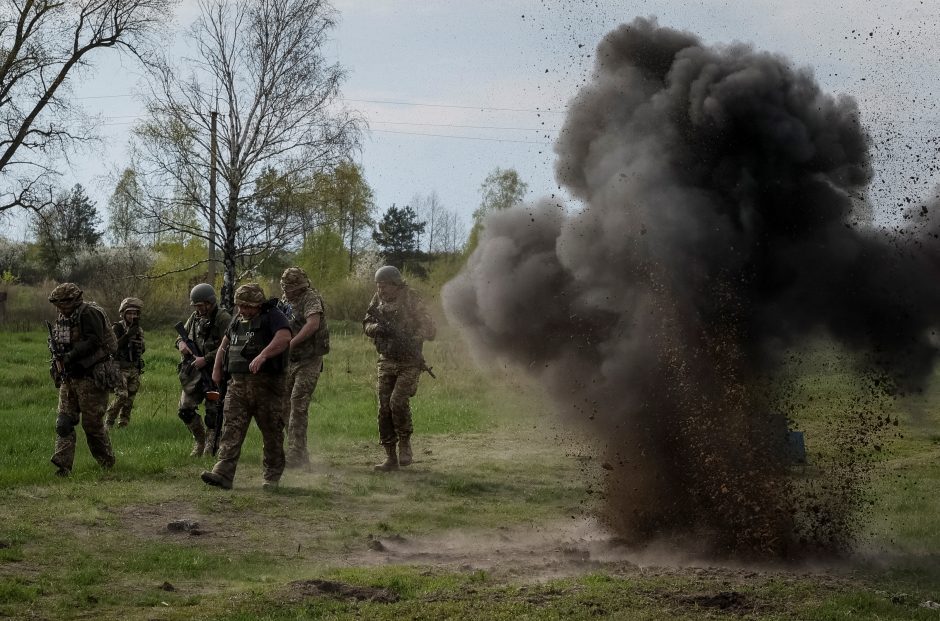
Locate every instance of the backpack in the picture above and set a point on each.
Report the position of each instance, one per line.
(109, 345)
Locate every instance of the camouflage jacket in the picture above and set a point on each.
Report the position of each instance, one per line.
(131, 347)
(399, 328)
(207, 332)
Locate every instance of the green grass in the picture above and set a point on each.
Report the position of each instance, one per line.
(491, 462)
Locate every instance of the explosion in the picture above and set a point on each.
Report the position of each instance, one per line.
(716, 233)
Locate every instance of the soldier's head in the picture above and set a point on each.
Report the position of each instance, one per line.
(248, 299)
(66, 297)
(202, 298)
(388, 282)
(294, 281)
(130, 309)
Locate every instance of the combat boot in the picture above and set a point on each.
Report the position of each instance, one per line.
(217, 480)
(404, 451)
(199, 437)
(391, 460)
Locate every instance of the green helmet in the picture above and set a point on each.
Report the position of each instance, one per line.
(250, 295)
(389, 274)
(65, 293)
(203, 292)
(129, 303)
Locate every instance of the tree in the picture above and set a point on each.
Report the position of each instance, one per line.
(66, 230)
(501, 189)
(347, 202)
(123, 216)
(261, 65)
(397, 235)
(43, 45)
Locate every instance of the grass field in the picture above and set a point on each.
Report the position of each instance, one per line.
(493, 521)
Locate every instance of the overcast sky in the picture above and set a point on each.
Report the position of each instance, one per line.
(482, 84)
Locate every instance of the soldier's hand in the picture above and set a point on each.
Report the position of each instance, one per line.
(199, 362)
(255, 365)
(184, 349)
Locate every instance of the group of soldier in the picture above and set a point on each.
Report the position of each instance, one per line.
(263, 364)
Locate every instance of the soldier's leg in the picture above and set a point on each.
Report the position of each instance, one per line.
(67, 418)
(214, 420)
(387, 436)
(406, 386)
(189, 401)
(269, 398)
(237, 416)
(117, 405)
(132, 380)
(92, 402)
(302, 381)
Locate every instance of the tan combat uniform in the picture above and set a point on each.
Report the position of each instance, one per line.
(399, 329)
(83, 395)
(129, 357)
(305, 364)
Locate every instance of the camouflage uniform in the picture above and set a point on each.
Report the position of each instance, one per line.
(80, 332)
(207, 332)
(398, 329)
(252, 395)
(129, 356)
(305, 362)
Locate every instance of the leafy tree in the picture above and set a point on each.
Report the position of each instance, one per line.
(398, 234)
(123, 209)
(501, 189)
(323, 256)
(66, 230)
(44, 44)
(261, 66)
(347, 204)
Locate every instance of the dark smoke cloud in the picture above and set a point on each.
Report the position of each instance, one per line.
(717, 230)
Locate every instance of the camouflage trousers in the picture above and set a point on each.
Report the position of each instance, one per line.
(260, 397)
(397, 384)
(301, 381)
(120, 408)
(193, 395)
(81, 401)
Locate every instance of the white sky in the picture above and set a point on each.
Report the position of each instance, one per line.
(471, 77)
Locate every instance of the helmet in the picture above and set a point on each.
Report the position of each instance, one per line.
(65, 293)
(294, 279)
(250, 295)
(203, 292)
(389, 274)
(130, 303)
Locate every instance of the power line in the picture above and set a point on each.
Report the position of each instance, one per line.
(389, 131)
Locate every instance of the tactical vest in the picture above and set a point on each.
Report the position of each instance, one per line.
(128, 356)
(247, 339)
(68, 331)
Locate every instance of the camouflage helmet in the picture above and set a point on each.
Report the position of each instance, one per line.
(129, 304)
(294, 279)
(250, 295)
(65, 293)
(203, 292)
(389, 274)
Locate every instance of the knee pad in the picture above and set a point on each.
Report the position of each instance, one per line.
(187, 416)
(64, 426)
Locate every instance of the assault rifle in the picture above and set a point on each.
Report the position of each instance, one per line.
(57, 363)
(206, 384)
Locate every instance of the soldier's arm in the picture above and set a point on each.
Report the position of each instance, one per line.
(219, 361)
(426, 330)
(188, 326)
(371, 322)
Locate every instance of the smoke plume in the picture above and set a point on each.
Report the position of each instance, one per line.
(716, 232)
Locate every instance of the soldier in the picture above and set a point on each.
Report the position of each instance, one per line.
(255, 357)
(205, 327)
(129, 356)
(304, 309)
(81, 338)
(399, 324)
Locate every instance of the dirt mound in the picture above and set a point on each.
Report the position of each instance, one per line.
(302, 589)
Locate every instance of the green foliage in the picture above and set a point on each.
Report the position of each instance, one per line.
(124, 210)
(66, 229)
(397, 235)
(501, 189)
(324, 258)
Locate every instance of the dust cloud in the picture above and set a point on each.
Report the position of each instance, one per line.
(717, 231)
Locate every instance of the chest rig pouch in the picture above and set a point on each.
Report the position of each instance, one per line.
(247, 339)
